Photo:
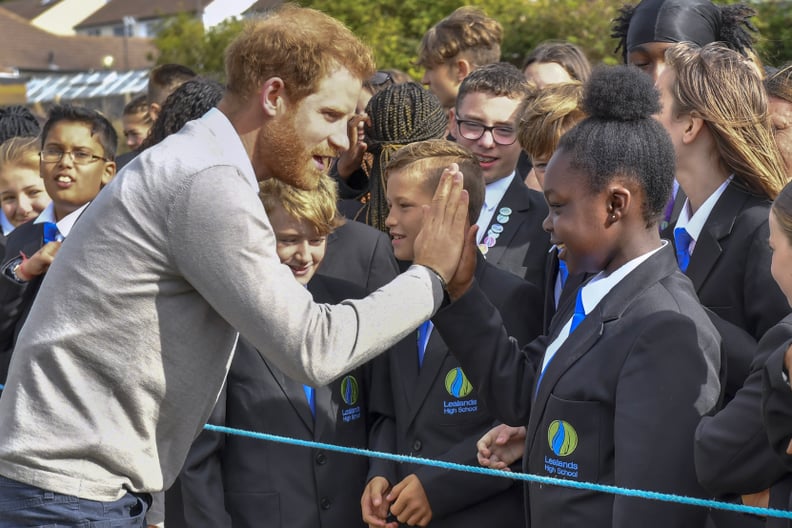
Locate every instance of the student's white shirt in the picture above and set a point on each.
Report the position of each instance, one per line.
(592, 293)
(694, 224)
(65, 224)
(5, 225)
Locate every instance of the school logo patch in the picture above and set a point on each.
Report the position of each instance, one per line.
(562, 437)
(457, 384)
(350, 390)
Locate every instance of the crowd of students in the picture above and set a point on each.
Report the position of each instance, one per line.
(574, 272)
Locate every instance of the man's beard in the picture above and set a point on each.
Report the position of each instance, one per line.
(282, 154)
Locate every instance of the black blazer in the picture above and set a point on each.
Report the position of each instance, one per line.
(618, 403)
(16, 298)
(730, 270)
(732, 454)
(522, 246)
(231, 480)
(777, 403)
(360, 254)
(570, 288)
(420, 416)
(777, 418)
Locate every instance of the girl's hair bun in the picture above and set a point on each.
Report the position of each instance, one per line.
(620, 93)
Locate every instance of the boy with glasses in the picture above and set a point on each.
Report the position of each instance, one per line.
(484, 120)
(76, 160)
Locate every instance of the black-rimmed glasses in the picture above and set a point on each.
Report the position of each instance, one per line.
(79, 157)
(472, 130)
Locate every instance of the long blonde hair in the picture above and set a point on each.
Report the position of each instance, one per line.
(723, 88)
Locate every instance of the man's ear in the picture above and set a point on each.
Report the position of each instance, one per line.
(272, 96)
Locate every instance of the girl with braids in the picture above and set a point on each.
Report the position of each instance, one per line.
(612, 394)
(646, 30)
(399, 115)
(17, 121)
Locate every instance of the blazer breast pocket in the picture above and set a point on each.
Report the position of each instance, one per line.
(569, 443)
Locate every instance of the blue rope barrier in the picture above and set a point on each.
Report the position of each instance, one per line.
(526, 477)
(590, 486)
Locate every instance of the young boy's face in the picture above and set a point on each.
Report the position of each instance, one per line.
(406, 194)
(71, 185)
(22, 194)
(299, 246)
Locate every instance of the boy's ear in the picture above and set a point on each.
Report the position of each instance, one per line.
(463, 69)
(108, 173)
(272, 96)
(154, 111)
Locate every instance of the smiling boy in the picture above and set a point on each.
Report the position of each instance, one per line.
(415, 417)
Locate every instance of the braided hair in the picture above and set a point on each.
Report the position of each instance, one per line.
(17, 121)
(400, 114)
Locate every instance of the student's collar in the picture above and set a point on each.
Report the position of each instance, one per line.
(5, 224)
(695, 223)
(65, 224)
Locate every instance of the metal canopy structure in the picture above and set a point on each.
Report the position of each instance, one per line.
(58, 88)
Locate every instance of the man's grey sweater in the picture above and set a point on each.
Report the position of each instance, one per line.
(131, 335)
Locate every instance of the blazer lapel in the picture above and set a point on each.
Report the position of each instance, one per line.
(718, 226)
(436, 352)
(294, 392)
(518, 207)
(326, 409)
(404, 363)
(588, 333)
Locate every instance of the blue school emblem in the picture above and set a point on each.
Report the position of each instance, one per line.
(457, 384)
(562, 437)
(350, 390)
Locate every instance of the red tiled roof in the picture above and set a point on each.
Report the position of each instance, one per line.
(115, 10)
(29, 48)
(28, 9)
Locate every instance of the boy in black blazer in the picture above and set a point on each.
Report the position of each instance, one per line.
(426, 404)
(77, 150)
(235, 481)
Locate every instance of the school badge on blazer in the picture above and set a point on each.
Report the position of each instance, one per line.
(458, 386)
(563, 440)
(562, 437)
(350, 392)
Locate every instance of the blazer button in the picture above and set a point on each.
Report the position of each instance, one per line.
(325, 503)
(417, 445)
(321, 459)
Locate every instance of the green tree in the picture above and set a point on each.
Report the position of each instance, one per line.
(393, 28)
(774, 20)
(183, 40)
